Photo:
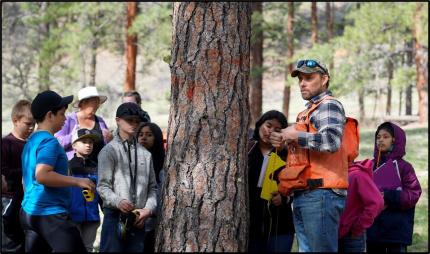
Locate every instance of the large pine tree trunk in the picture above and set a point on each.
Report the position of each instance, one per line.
(256, 77)
(421, 62)
(290, 54)
(131, 49)
(204, 198)
(314, 23)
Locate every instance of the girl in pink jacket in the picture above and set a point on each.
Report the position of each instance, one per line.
(364, 202)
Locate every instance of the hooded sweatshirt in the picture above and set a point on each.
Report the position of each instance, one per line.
(395, 223)
(364, 201)
(115, 180)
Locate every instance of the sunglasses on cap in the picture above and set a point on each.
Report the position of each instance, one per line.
(311, 64)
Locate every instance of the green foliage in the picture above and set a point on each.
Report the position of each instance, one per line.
(404, 76)
(153, 26)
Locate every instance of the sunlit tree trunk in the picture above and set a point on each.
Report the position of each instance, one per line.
(256, 77)
(421, 62)
(314, 22)
(390, 69)
(290, 54)
(204, 198)
(131, 49)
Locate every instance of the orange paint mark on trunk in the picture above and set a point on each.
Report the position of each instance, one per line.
(190, 93)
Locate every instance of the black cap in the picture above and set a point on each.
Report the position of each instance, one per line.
(131, 109)
(47, 101)
(83, 133)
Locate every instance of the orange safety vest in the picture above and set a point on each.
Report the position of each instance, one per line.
(308, 169)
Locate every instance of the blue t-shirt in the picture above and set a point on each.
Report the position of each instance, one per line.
(43, 148)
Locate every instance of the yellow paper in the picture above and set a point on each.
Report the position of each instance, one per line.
(269, 184)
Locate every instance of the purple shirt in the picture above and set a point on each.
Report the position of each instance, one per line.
(64, 135)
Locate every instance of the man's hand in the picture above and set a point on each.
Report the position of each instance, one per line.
(143, 215)
(86, 183)
(125, 206)
(287, 135)
(276, 198)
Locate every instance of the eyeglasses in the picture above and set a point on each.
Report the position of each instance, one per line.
(311, 64)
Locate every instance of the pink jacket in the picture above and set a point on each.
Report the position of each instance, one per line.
(364, 201)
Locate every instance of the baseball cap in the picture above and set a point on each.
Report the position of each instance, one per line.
(309, 66)
(131, 109)
(47, 101)
(83, 133)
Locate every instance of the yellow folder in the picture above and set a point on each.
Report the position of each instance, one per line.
(269, 183)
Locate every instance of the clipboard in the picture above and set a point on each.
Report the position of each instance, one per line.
(387, 177)
(269, 184)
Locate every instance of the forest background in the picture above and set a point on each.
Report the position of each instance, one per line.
(377, 55)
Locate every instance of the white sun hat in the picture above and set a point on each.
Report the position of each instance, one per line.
(89, 92)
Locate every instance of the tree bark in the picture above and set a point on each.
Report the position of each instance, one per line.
(421, 62)
(314, 22)
(131, 49)
(256, 77)
(204, 198)
(290, 54)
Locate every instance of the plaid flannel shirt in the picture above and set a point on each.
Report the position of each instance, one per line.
(329, 119)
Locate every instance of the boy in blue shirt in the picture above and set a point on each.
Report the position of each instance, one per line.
(44, 214)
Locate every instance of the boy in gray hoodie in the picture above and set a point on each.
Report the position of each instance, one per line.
(127, 184)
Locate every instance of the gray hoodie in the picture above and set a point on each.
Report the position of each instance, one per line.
(114, 175)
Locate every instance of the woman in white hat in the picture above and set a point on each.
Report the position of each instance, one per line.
(88, 102)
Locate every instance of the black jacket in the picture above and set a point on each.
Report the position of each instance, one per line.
(260, 216)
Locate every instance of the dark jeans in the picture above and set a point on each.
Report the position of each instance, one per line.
(349, 243)
(56, 233)
(385, 247)
(279, 243)
(13, 237)
(110, 240)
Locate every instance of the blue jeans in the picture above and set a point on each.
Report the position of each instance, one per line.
(280, 243)
(316, 215)
(352, 244)
(110, 239)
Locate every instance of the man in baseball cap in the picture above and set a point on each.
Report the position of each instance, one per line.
(317, 134)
